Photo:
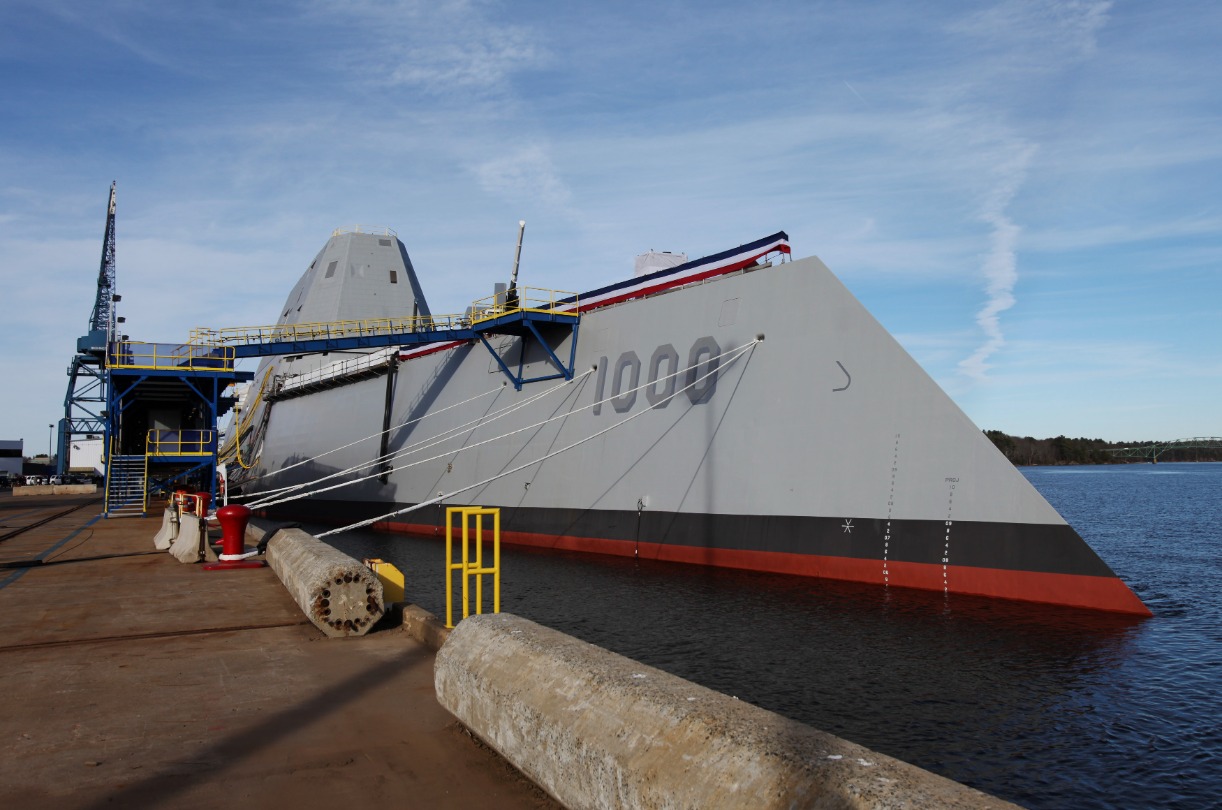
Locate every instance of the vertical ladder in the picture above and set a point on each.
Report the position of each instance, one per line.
(126, 487)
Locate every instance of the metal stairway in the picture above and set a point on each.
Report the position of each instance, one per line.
(126, 488)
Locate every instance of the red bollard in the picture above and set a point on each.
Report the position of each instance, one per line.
(233, 519)
(205, 500)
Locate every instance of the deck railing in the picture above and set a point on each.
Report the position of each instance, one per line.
(180, 442)
(170, 356)
(527, 299)
(524, 299)
(292, 332)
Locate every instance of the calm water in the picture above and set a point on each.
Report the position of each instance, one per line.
(1046, 707)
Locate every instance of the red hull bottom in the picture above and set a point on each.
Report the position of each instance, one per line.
(1070, 590)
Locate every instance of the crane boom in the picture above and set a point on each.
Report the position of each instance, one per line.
(88, 384)
(103, 306)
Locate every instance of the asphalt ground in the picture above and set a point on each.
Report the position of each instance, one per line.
(128, 679)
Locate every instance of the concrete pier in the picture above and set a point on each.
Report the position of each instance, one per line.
(131, 680)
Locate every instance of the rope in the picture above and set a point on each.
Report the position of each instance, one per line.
(737, 353)
(487, 441)
(423, 444)
(443, 436)
(367, 438)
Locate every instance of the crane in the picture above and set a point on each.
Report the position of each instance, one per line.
(85, 402)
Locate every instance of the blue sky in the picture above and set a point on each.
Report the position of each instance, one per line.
(1027, 194)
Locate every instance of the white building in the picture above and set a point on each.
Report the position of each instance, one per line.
(85, 455)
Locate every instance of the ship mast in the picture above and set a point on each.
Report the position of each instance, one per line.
(511, 295)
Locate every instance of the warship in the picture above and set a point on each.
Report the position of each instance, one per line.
(740, 410)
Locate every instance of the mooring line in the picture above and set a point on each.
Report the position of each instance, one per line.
(735, 354)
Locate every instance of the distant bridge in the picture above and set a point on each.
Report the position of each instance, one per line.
(1155, 449)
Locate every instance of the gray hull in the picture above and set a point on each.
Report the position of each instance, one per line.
(760, 419)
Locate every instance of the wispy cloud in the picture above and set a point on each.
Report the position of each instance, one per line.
(525, 174)
(1000, 266)
(1043, 33)
(1025, 35)
(485, 62)
(1066, 237)
(118, 23)
(437, 47)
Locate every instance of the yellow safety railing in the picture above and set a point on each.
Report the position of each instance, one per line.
(144, 487)
(110, 453)
(231, 450)
(179, 442)
(525, 299)
(379, 230)
(178, 356)
(472, 564)
(280, 333)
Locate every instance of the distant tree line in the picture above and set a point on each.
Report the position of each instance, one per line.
(1029, 451)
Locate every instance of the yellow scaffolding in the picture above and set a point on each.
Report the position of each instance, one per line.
(472, 564)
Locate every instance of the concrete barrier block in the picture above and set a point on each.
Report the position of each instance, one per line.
(168, 532)
(75, 489)
(598, 730)
(188, 546)
(339, 594)
(54, 489)
(424, 627)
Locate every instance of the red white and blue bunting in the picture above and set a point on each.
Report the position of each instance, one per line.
(729, 261)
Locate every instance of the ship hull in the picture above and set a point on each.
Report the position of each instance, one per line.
(758, 419)
(1042, 572)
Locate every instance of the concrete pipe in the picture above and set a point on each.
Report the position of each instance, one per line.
(597, 730)
(338, 594)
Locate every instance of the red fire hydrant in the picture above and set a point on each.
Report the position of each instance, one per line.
(233, 519)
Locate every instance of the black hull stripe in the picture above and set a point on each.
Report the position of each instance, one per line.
(1041, 548)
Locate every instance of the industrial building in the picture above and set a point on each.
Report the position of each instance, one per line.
(11, 454)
